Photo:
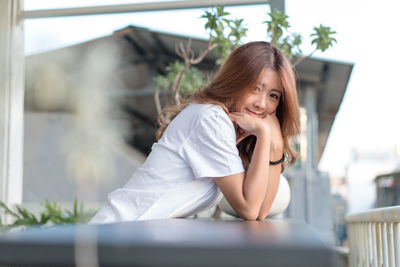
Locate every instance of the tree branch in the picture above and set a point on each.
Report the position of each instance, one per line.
(157, 101)
(300, 59)
(187, 55)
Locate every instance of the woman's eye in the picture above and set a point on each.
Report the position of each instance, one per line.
(275, 96)
(257, 89)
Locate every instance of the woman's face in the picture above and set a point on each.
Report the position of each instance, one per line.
(264, 98)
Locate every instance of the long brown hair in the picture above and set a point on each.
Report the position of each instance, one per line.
(241, 71)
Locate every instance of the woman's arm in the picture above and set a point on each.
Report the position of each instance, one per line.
(276, 153)
(271, 190)
(245, 192)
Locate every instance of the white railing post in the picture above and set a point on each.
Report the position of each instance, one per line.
(374, 237)
(384, 245)
(396, 241)
(390, 244)
(11, 100)
(370, 244)
(366, 243)
(374, 244)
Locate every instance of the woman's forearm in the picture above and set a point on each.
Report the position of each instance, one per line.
(274, 172)
(257, 174)
(270, 192)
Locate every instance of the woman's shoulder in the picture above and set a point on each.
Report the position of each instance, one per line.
(205, 110)
(206, 116)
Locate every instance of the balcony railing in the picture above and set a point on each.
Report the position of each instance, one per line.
(374, 237)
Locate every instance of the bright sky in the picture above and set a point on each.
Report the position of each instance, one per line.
(367, 35)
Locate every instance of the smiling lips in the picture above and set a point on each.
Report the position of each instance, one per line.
(254, 113)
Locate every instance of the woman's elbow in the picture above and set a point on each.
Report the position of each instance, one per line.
(261, 217)
(249, 214)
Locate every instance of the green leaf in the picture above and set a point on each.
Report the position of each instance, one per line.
(221, 12)
(323, 37)
(52, 213)
(161, 82)
(192, 80)
(276, 26)
(8, 210)
(75, 214)
(44, 218)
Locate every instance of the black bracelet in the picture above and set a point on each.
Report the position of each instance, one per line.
(277, 162)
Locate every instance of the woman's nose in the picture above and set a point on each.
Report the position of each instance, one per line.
(260, 102)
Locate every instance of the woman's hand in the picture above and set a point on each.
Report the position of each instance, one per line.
(249, 125)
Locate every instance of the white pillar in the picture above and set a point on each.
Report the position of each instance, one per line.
(11, 100)
(310, 102)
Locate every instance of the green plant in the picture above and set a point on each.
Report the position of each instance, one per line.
(53, 214)
(189, 83)
(226, 34)
(280, 36)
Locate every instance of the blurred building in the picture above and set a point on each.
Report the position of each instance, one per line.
(339, 192)
(361, 174)
(362, 188)
(387, 189)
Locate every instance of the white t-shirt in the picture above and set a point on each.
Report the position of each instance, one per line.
(177, 178)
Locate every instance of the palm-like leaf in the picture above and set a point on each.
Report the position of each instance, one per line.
(323, 37)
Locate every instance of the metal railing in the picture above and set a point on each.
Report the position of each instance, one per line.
(374, 237)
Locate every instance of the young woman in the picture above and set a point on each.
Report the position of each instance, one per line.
(230, 138)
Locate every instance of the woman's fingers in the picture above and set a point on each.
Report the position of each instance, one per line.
(245, 121)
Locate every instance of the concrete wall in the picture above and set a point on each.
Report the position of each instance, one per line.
(311, 201)
(45, 174)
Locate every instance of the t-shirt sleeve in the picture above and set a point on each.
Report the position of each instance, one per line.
(210, 150)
